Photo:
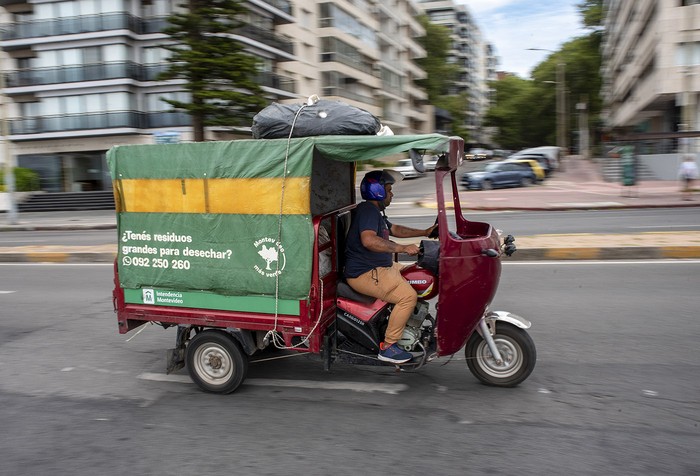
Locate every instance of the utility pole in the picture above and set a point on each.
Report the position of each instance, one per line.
(561, 106)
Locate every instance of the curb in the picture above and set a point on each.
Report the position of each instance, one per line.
(606, 253)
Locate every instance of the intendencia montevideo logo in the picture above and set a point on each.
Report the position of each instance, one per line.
(272, 252)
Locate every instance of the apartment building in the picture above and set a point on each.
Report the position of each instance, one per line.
(82, 77)
(363, 52)
(651, 73)
(82, 74)
(475, 57)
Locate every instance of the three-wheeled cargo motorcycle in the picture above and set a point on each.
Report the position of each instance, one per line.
(240, 246)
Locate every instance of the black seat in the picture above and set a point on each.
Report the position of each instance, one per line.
(344, 290)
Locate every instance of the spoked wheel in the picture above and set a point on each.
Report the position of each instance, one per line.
(517, 351)
(216, 362)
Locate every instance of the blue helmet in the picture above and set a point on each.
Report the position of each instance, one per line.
(372, 185)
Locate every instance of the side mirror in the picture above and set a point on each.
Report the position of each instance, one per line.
(417, 160)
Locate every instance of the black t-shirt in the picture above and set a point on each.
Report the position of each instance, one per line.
(358, 259)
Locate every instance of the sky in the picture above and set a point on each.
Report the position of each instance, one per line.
(513, 26)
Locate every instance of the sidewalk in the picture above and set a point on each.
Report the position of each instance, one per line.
(578, 187)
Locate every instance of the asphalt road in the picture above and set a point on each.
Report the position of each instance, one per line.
(615, 390)
(406, 213)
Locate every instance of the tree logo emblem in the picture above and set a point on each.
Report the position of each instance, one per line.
(272, 254)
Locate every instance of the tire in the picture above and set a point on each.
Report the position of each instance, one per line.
(517, 349)
(486, 185)
(526, 182)
(216, 362)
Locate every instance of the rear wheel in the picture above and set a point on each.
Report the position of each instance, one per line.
(517, 351)
(486, 185)
(216, 362)
(526, 182)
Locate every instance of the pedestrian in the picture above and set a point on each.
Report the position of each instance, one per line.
(687, 173)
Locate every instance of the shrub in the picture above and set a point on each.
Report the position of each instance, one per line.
(26, 180)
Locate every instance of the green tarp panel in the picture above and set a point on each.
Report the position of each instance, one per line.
(231, 218)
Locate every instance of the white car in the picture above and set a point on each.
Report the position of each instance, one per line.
(552, 153)
(478, 154)
(405, 167)
(430, 162)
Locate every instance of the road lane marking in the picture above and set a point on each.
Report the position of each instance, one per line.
(7, 292)
(362, 387)
(664, 226)
(650, 261)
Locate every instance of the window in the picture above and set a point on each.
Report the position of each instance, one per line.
(155, 55)
(87, 103)
(154, 103)
(80, 56)
(688, 54)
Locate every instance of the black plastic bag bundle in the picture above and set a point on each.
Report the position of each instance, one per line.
(322, 118)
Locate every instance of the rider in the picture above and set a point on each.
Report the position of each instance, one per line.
(369, 266)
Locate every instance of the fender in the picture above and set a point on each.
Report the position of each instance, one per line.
(492, 316)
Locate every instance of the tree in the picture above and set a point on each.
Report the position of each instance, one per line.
(441, 74)
(592, 13)
(219, 75)
(525, 111)
(518, 114)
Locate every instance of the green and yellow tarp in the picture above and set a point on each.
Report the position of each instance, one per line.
(226, 218)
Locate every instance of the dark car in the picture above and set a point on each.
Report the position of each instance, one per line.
(497, 175)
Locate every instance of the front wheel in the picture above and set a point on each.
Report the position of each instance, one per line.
(216, 362)
(486, 185)
(517, 350)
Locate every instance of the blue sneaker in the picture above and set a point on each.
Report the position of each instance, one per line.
(394, 354)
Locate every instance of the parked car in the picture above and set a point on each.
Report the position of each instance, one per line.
(497, 175)
(541, 159)
(552, 153)
(478, 154)
(430, 161)
(533, 164)
(405, 166)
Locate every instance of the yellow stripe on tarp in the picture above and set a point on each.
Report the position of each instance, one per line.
(244, 196)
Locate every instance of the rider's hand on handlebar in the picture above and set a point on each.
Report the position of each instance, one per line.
(411, 250)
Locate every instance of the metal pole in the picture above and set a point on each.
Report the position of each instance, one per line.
(561, 106)
(9, 169)
(582, 128)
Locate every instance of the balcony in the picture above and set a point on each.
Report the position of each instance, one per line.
(73, 25)
(282, 5)
(344, 93)
(92, 121)
(7, 3)
(350, 61)
(275, 81)
(78, 73)
(280, 42)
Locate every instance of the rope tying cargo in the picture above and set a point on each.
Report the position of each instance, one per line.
(273, 334)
